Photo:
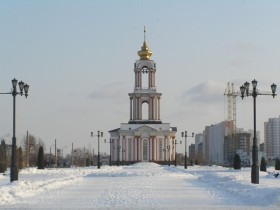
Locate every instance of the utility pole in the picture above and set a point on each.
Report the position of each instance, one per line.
(27, 150)
(50, 160)
(72, 155)
(84, 155)
(55, 156)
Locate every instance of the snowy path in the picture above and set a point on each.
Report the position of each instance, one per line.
(142, 186)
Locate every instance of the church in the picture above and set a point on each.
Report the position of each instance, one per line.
(144, 138)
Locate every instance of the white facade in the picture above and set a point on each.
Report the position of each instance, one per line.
(272, 138)
(143, 138)
(217, 135)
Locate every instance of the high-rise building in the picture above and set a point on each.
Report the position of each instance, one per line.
(272, 138)
(198, 141)
(251, 132)
(205, 146)
(217, 134)
(144, 137)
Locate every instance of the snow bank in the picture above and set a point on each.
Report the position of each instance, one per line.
(142, 185)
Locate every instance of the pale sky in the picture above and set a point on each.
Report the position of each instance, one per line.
(78, 58)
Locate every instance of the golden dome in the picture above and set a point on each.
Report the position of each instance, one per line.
(145, 53)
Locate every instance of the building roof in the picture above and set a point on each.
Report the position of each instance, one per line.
(114, 130)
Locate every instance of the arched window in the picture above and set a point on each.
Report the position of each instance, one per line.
(161, 149)
(145, 150)
(145, 110)
(145, 77)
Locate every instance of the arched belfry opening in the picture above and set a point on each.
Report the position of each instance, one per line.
(145, 77)
(145, 110)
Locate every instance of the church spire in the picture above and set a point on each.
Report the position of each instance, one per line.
(145, 53)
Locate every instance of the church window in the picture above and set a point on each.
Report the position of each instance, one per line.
(145, 110)
(160, 149)
(145, 150)
(145, 77)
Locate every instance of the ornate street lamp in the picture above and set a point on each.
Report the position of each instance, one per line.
(185, 134)
(109, 142)
(165, 150)
(118, 148)
(123, 151)
(23, 88)
(175, 143)
(99, 134)
(244, 90)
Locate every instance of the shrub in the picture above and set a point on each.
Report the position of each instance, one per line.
(87, 162)
(263, 165)
(237, 162)
(3, 157)
(41, 158)
(277, 164)
(191, 162)
(19, 157)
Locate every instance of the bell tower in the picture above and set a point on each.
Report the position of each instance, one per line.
(144, 138)
(145, 90)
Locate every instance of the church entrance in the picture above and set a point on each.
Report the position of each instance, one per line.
(145, 150)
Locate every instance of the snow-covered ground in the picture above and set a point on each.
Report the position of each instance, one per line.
(140, 186)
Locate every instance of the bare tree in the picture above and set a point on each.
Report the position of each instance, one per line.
(80, 156)
(3, 157)
(31, 146)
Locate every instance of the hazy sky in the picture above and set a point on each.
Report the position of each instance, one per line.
(78, 58)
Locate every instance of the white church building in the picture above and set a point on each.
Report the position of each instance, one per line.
(143, 138)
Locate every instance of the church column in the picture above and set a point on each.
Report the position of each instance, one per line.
(158, 108)
(138, 148)
(140, 79)
(130, 108)
(149, 79)
(154, 79)
(165, 146)
(139, 108)
(134, 108)
(154, 151)
(155, 108)
(150, 108)
(152, 148)
(136, 79)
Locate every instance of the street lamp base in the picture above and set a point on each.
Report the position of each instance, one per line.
(14, 173)
(255, 174)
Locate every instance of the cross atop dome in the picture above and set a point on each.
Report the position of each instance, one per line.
(145, 52)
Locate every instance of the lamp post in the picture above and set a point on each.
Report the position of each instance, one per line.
(62, 155)
(123, 151)
(109, 142)
(118, 148)
(23, 88)
(50, 160)
(175, 143)
(244, 90)
(185, 134)
(99, 134)
(165, 150)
